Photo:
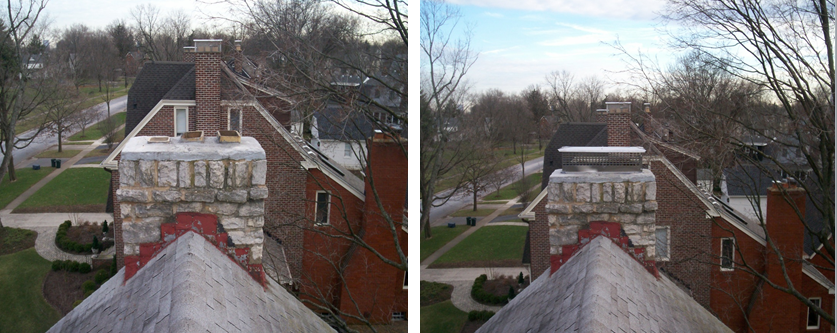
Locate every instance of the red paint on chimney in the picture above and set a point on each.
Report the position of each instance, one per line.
(618, 124)
(612, 230)
(786, 230)
(208, 85)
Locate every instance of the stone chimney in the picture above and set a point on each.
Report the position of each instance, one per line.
(215, 189)
(208, 84)
(601, 184)
(786, 230)
(618, 124)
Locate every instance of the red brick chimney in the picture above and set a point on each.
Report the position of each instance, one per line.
(785, 229)
(618, 124)
(601, 115)
(208, 84)
(189, 53)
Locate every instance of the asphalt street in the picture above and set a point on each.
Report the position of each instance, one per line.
(461, 199)
(45, 140)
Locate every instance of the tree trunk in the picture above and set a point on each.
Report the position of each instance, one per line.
(475, 197)
(59, 139)
(12, 175)
(514, 146)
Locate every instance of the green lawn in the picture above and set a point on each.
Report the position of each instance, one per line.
(441, 236)
(442, 318)
(23, 308)
(94, 133)
(471, 212)
(65, 153)
(25, 179)
(73, 187)
(489, 243)
(510, 192)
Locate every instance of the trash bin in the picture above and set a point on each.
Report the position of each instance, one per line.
(468, 220)
(36, 167)
(451, 225)
(52, 163)
(58, 163)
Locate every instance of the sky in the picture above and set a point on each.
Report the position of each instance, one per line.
(520, 41)
(98, 13)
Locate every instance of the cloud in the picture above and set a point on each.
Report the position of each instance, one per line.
(635, 9)
(499, 50)
(577, 40)
(498, 15)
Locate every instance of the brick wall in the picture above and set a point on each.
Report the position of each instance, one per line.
(618, 129)
(117, 220)
(208, 91)
(539, 240)
(733, 290)
(690, 232)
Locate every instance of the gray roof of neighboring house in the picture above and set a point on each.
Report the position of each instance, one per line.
(190, 286)
(334, 123)
(571, 134)
(184, 89)
(599, 289)
(153, 82)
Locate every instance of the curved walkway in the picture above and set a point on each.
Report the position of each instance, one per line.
(46, 248)
(461, 298)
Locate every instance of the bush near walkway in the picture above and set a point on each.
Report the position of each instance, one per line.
(23, 308)
(497, 246)
(25, 179)
(441, 236)
(74, 190)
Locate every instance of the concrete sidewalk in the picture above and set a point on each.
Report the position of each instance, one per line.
(40, 220)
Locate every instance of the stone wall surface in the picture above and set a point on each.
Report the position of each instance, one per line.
(151, 192)
(576, 199)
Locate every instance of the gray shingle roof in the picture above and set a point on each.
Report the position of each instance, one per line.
(152, 83)
(571, 134)
(334, 123)
(190, 286)
(603, 289)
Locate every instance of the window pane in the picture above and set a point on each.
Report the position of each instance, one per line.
(726, 253)
(235, 120)
(322, 208)
(347, 149)
(662, 243)
(813, 318)
(180, 121)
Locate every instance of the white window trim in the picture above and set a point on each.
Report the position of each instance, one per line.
(350, 151)
(808, 314)
(668, 243)
(404, 284)
(732, 257)
(328, 209)
(175, 118)
(240, 118)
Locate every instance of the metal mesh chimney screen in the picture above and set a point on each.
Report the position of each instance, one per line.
(601, 159)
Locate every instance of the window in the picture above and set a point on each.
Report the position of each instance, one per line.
(234, 120)
(399, 316)
(727, 253)
(662, 245)
(405, 279)
(321, 209)
(181, 120)
(800, 175)
(813, 317)
(347, 149)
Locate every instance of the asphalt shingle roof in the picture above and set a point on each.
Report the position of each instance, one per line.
(574, 135)
(190, 286)
(153, 82)
(603, 289)
(333, 123)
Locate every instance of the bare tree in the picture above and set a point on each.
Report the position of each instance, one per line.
(84, 119)
(61, 113)
(478, 168)
(444, 63)
(785, 50)
(161, 38)
(574, 101)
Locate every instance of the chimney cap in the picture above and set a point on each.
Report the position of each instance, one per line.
(636, 150)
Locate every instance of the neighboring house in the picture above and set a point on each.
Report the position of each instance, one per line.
(310, 198)
(341, 136)
(35, 62)
(133, 63)
(689, 223)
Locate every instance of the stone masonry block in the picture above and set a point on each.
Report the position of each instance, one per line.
(256, 222)
(625, 218)
(201, 195)
(607, 208)
(651, 191)
(619, 192)
(650, 206)
(259, 172)
(257, 193)
(131, 249)
(564, 235)
(244, 238)
(167, 173)
(645, 218)
(125, 195)
(636, 192)
(195, 207)
(598, 217)
(634, 208)
(568, 192)
(582, 193)
(184, 174)
(583, 208)
(126, 209)
(216, 174)
(127, 173)
(200, 173)
(166, 196)
(557, 208)
(232, 222)
(145, 231)
(632, 229)
(154, 209)
(595, 192)
(147, 170)
(256, 254)
(607, 192)
(253, 208)
(221, 208)
(239, 196)
(241, 173)
(554, 192)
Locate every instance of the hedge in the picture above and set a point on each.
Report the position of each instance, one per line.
(484, 315)
(70, 246)
(71, 266)
(485, 297)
